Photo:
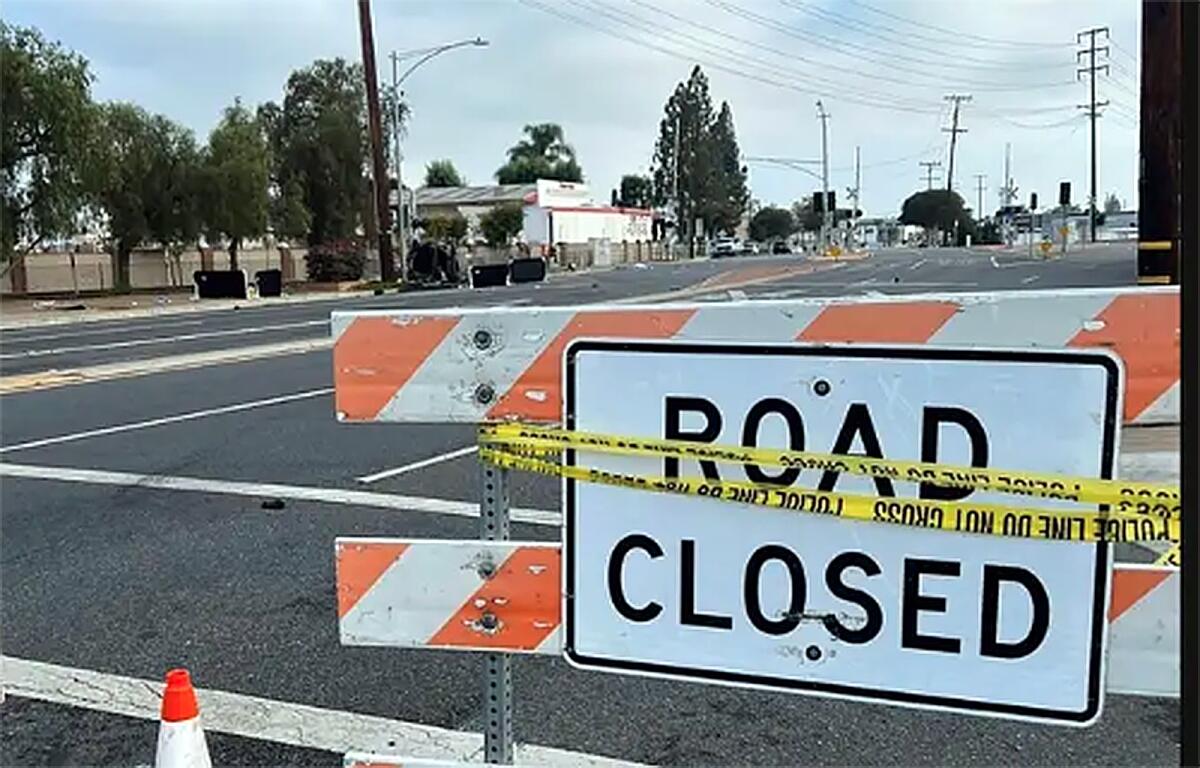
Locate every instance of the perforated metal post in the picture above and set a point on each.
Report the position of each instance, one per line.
(497, 671)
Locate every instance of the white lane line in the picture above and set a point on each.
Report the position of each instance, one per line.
(917, 264)
(189, 416)
(159, 340)
(253, 717)
(1030, 279)
(269, 491)
(368, 479)
(10, 336)
(992, 258)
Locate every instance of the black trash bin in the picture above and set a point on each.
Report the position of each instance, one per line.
(269, 282)
(220, 283)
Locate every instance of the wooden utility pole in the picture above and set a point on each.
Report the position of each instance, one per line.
(1160, 181)
(929, 165)
(980, 183)
(387, 267)
(954, 130)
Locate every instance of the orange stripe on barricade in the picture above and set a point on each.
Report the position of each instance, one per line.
(1144, 331)
(883, 323)
(516, 609)
(359, 566)
(1129, 586)
(537, 394)
(375, 357)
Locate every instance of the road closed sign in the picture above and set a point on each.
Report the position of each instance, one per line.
(913, 614)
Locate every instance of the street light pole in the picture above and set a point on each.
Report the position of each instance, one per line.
(821, 113)
(397, 80)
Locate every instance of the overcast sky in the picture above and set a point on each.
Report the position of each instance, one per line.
(604, 68)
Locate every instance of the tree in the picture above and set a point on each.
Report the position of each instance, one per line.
(45, 123)
(543, 154)
(937, 209)
(318, 151)
(235, 179)
(807, 218)
(502, 223)
(142, 173)
(636, 191)
(696, 163)
(1112, 203)
(442, 173)
(446, 229)
(772, 223)
(725, 193)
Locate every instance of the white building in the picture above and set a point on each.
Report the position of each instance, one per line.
(555, 212)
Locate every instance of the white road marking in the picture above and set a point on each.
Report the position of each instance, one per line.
(917, 264)
(179, 417)
(253, 717)
(160, 340)
(10, 336)
(1030, 279)
(368, 479)
(992, 258)
(269, 491)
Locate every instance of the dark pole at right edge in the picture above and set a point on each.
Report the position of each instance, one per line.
(1159, 178)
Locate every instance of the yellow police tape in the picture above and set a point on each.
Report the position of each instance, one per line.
(1128, 511)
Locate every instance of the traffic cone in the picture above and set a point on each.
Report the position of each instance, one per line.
(180, 738)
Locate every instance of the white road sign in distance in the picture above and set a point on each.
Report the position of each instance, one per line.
(702, 589)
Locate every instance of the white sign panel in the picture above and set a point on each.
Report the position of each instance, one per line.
(706, 590)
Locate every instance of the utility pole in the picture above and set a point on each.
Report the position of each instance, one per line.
(675, 180)
(824, 117)
(402, 214)
(954, 130)
(1160, 182)
(387, 267)
(1008, 194)
(853, 193)
(980, 181)
(1091, 69)
(929, 165)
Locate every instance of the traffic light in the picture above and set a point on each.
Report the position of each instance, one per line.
(1033, 201)
(832, 201)
(1064, 193)
(818, 202)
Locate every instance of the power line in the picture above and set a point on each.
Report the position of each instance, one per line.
(959, 34)
(885, 33)
(889, 62)
(692, 59)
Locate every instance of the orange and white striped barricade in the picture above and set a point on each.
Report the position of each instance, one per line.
(475, 365)
(506, 595)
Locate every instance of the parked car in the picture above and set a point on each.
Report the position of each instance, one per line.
(750, 247)
(723, 246)
(780, 247)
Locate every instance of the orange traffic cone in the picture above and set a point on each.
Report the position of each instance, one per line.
(180, 738)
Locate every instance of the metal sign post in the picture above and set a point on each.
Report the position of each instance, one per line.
(497, 670)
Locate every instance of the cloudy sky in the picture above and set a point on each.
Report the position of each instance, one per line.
(604, 68)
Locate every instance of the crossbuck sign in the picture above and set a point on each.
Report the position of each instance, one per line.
(700, 589)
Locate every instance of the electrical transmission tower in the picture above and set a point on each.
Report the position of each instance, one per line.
(1093, 107)
(929, 165)
(954, 130)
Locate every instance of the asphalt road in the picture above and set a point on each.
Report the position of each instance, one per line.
(132, 580)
